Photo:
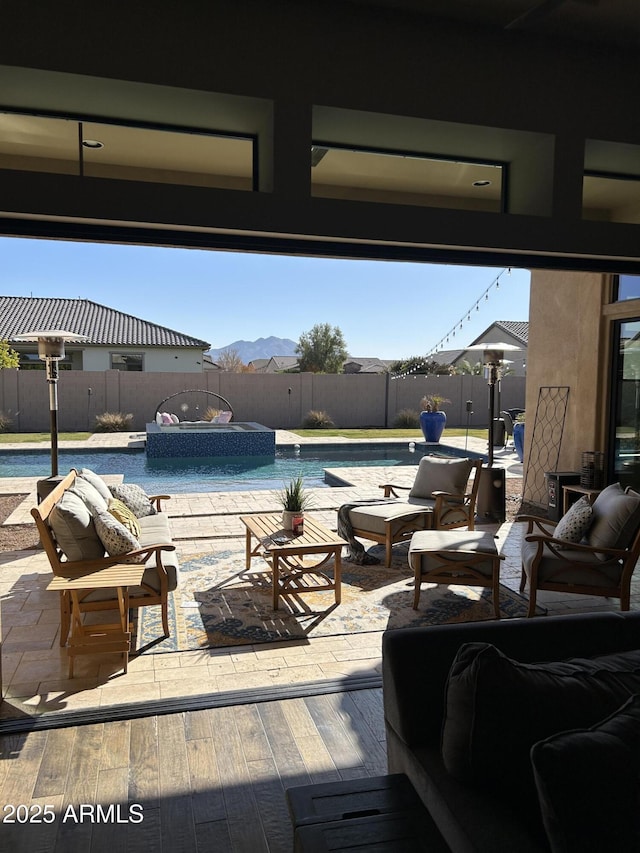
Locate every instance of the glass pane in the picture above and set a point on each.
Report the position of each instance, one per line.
(628, 287)
(405, 179)
(37, 144)
(159, 156)
(126, 361)
(611, 199)
(627, 416)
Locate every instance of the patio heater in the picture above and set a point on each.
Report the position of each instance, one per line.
(491, 494)
(51, 351)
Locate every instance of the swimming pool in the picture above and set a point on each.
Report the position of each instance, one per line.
(223, 473)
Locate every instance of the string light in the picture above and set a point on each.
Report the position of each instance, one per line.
(452, 331)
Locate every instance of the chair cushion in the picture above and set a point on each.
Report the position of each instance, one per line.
(456, 544)
(96, 481)
(571, 570)
(588, 784)
(115, 537)
(375, 516)
(496, 709)
(89, 494)
(441, 475)
(616, 516)
(74, 530)
(135, 498)
(575, 522)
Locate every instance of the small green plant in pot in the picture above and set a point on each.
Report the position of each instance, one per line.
(294, 499)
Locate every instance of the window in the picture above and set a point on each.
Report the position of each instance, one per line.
(399, 177)
(127, 361)
(628, 287)
(32, 361)
(626, 403)
(74, 146)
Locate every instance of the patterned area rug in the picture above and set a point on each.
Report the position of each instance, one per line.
(220, 603)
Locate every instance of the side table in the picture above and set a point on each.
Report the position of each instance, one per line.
(577, 489)
(374, 813)
(106, 637)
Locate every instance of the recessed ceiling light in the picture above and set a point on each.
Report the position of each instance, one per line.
(481, 184)
(92, 143)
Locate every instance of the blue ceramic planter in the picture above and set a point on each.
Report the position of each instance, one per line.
(432, 425)
(518, 440)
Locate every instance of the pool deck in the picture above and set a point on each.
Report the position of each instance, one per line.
(34, 667)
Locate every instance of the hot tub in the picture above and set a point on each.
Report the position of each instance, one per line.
(204, 438)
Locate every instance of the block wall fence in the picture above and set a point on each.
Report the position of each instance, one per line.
(279, 401)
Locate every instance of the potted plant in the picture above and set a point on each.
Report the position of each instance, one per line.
(518, 436)
(294, 499)
(432, 419)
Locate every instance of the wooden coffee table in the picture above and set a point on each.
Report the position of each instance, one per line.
(287, 559)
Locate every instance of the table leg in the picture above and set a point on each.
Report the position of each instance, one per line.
(337, 574)
(247, 549)
(275, 571)
(123, 606)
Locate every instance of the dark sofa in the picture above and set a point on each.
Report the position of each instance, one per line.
(473, 816)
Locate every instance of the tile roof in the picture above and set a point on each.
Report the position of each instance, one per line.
(103, 326)
(517, 328)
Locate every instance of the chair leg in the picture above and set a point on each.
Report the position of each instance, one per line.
(165, 617)
(388, 551)
(65, 617)
(523, 579)
(416, 586)
(532, 603)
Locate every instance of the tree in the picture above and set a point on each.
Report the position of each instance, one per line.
(322, 349)
(229, 360)
(8, 357)
(419, 364)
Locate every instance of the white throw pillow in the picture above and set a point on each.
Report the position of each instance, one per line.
(575, 522)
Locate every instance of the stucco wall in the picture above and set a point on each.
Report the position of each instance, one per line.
(567, 347)
(167, 360)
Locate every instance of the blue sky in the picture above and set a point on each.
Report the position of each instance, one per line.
(384, 309)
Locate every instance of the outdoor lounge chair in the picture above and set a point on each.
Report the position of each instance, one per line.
(593, 550)
(441, 498)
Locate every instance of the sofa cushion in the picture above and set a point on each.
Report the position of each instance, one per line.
(115, 537)
(135, 498)
(96, 481)
(616, 516)
(441, 475)
(588, 784)
(154, 529)
(373, 517)
(125, 516)
(575, 522)
(89, 494)
(496, 708)
(74, 530)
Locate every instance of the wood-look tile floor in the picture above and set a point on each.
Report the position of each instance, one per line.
(210, 780)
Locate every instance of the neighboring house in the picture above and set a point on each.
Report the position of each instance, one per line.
(275, 364)
(366, 365)
(117, 341)
(514, 332)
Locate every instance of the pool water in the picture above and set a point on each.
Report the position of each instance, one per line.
(223, 473)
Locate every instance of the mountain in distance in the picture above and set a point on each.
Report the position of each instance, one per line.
(262, 348)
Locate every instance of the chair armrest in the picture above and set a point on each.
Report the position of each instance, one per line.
(544, 525)
(566, 548)
(157, 500)
(144, 553)
(389, 489)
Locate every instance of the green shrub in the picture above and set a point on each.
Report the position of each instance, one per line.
(317, 420)
(5, 422)
(407, 419)
(114, 422)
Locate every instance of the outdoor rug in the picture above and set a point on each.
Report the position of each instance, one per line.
(220, 603)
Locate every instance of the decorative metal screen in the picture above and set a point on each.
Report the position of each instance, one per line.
(546, 438)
